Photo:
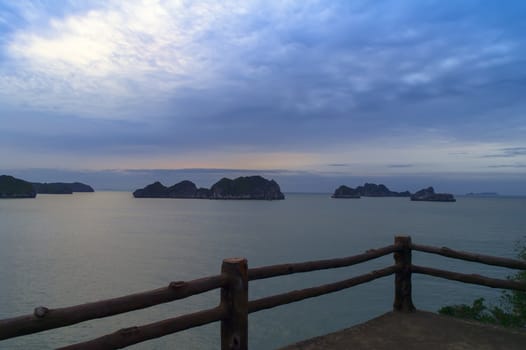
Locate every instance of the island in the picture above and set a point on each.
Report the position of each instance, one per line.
(183, 189)
(61, 187)
(429, 195)
(345, 192)
(245, 187)
(11, 187)
(482, 194)
(367, 190)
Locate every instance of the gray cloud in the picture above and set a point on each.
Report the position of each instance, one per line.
(508, 152)
(339, 164)
(299, 76)
(400, 165)
(499, 166)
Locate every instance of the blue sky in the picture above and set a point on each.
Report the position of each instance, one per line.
(315, 93)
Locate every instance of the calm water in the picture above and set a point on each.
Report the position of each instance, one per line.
(60, 250)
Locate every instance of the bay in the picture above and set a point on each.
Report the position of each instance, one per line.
(62, 250)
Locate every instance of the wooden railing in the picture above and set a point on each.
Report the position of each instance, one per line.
(234, 306)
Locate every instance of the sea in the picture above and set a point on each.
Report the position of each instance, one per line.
(64, 250)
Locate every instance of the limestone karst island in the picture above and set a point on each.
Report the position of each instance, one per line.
(11, 187)
(429, 195)
(61, 187)
(374, 190)
(245, 187)
(367, 190)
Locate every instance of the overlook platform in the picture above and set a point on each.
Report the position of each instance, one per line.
(418, 330)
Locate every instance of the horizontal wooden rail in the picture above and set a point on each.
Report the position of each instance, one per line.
(469, 278)
(234, 306)
(129, 336)
(484, 259)
(287, 269)
(43, 318)
(297, 295)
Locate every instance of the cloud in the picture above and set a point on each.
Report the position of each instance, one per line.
(400, 165)
(113, 55)
(250, 83)
(508, 152)
(207, 171)
(108, 60)
(500, 166)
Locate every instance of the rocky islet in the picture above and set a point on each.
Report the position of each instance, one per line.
(244, 187)
(373, 190)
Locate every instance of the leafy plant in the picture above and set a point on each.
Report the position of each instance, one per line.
(511, 311)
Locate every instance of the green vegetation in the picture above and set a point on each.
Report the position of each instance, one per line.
(511, 311)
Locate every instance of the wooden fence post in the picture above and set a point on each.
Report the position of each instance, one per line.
(403, 298)
(234, 297)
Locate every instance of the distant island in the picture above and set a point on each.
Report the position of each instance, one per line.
(11, 187)
(61, 187)
(345, 192)
(482, 194)
(428, 194)
(245, 187)
(367, 190)
(374, 190)
(183, 189)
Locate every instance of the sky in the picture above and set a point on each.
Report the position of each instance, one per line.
(311, 93)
